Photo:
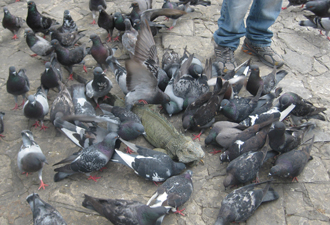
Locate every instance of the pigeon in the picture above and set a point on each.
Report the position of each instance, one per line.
(135, 14)
(149, 164)
(296, 2)
(241, 203)
(88, 159)
(129, 37)
(36, 21)
(94, 6)
(317, 23)
(239, 109)
(99, 86)
(179, 6)
(68, 25)
(174, 192)
(270, 81)
(30, 157)
(245, 167)
(283, 140)
(106, 22)
(196, 2)
(17, 84)
(251, 139)
(66, 39)
(38, 45)
(292, 163)
(119, 23)
(86, 135)
(319, 7)
(11, 22)
(62, 105)
(170, 61)
(51, 77)
(99, 51)
(130, 124)
(2, 127)
(43, 213)
(69, 57)
(142, 85)
(119, 71)
(120, 211)
(37, 107)
(223, 133)
(303, 108)
(80, 103)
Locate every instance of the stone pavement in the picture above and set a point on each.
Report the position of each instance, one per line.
(307, 59)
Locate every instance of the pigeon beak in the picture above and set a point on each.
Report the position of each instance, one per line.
(269, 175)
(46, 162)
(144, 133)
(47, 69)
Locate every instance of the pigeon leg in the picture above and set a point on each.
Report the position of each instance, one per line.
(302, 6)
(2, 136)
(108, 38)
(103, 168)
(14, 37)
(105, 97)
(36, 124)
(33, 55)
(42, 185)
(215, 152)
(70, 76)
(22, 103)
(16, 0)
(143, 101)
(295, 178)
(16, 107)
(25, 173)
(328, 38)
(170, 28)
(321, 33)
(94, 178)
(85, 69)
(128, 150)
(283, 8)
(166, 18)
(180, 211)
(94, 22)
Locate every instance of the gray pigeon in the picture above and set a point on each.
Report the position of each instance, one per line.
(149, 164)
(241, 203)
(30, 157)
(99, 51)
(68, 25)
(66, 39)
(62, 105)
(17, 84)
(142, 85)
(129, 37)
(51, 77)
(80, 103)
(292, 163)
(43, 213)
(120, 211)
(69, 57)
(99, 86)
(119, 71)
(11, 22)
(37, 107)
(93, 6)
(38, 45)
(174, 192)
(89, 159)
(317, 23)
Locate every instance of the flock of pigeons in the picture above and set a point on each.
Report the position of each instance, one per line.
(253, 133)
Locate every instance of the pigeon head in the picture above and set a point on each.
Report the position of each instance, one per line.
(66, 13)
(134, 5)
(171, 108)
(188, 174)
(55, 43)
(12, 70)
(224, 157)
(279, 170)
(5, 10)
(285, 100)
(47, 65)
(32, 99)
(128, 24)
(224, 104)
(139, 128)
(118, 16)
(187, 122)
(279, 126)
(27, 134)
(195, 70)
(98, 71)
(229, 180)
(31, 5)
(28, 31)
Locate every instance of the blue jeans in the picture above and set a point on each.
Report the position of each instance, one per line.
(263, 14)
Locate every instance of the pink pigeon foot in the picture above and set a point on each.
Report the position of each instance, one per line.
(42, 185)
(94, 178)
(179, 211)
(283, 8)
(14, 37)
(170, 28)
(94, 22)
(16, 107)
(295, 178)
(70, 76)
(143, 101)
(36, 124)
(105, 97)
(108, 38)
(2, 136)
(215, 151)
(43, 127)
(129, 151)
(116, 38)
(33, 55)
(197, 136)
(85, 69)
